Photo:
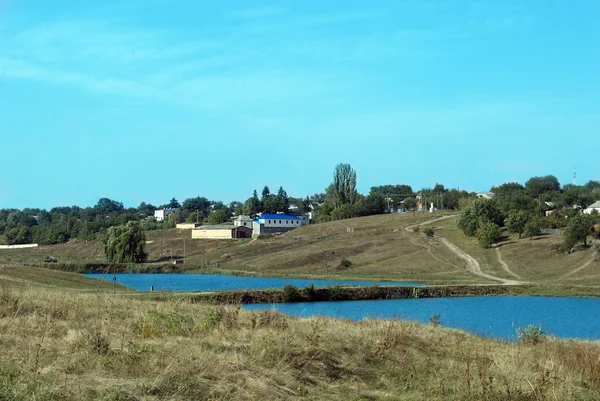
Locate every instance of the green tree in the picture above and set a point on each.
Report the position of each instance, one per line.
(578, 229)
(516, 222)
(252, 206)
(344, 185)
(533, 228)
(542, 185)
(126, 244)
(218, 216)
(410, 204)
(173, 204)
(284, 201)
(271, 204)
(488, 234)
(196, 207)
(477, 213)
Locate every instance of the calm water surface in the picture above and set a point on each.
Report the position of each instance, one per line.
(496, 317)
(214, 282)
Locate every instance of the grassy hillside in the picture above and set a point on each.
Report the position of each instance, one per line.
(378, 247)
(529, 260)
(80, 346)
(23, 277)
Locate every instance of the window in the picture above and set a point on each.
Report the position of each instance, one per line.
(279, 221)
(269, 221)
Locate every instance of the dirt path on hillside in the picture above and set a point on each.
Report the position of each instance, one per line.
(504, 265)
(473, 265)
(586, 264)
(411, 229)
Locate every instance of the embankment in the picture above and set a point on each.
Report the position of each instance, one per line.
(338, 293)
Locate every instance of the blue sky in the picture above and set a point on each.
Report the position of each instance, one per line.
(145, 100)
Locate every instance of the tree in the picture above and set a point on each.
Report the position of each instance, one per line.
(344, 185)
(516, 222)
(284, 201)
(173, 204)
(542, 185)
(578, 229)
(217, 217)
(271, 204)
(533, 228)
(488, 234)
(126, 244)
(196, 207)
(107, 206)
(410, 204)
(477, 213)
(265, 192)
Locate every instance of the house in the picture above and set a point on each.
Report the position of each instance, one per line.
(276, 223)
(486, 195)
(221, 232)
(162, 214)
(594, 206)
(243, 221)
(188, 226)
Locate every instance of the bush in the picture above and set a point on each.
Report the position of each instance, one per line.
(488, 234)
(435, 320)
(429, 231)
(531, 334)
(291, 293)
(416, 229)
(308, 291)
(345, 264)
(337, 292)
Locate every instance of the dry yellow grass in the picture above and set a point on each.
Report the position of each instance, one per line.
(83, 346)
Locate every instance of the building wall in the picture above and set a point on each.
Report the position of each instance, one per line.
(187, 226)
(243, 223)
(211, 234)
(281, 223)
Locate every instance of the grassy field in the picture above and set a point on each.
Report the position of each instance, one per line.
(76, 346)
(23, 277)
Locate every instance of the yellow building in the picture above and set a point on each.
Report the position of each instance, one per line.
(221, 232)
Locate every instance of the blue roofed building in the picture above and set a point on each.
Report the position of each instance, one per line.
(276, 223)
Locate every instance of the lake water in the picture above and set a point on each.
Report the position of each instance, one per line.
(214, 282)
(497, 316)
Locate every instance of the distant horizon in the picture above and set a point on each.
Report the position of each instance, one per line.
(143, 100)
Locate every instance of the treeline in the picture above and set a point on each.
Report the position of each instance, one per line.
(526, 210)
(341, 199)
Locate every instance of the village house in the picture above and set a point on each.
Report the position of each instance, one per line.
(486, 195)
(243, 221)
(221, 232)
(162, 214)
(594, 206)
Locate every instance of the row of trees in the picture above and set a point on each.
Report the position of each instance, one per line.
(522, 210)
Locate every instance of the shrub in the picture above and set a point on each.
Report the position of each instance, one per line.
(416, 229)
(531, 334)
(345, 264)
(488, 234)
(337, 292)
(533, 228)
(429, 231)
(435, 319)
(308, 291)
(291, 293)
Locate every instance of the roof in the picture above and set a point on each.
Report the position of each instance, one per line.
(595, 205)
(218, 227)
(243, 218)
(277, 217)
(489, 194)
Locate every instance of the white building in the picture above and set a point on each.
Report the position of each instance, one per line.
(162, 214)
(276, 223)
(594, 206)
(486, 195)
(243, 221)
